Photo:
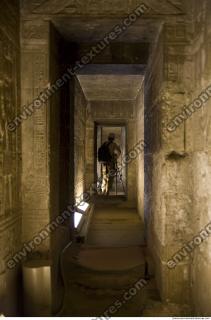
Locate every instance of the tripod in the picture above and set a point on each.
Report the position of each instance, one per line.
(118, 173)
(111, 173)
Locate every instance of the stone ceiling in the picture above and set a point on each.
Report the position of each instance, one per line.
(110, 69)
(104, 87)
(90, 20)
(90, 30)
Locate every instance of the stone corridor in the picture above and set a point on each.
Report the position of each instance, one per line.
(71, 73)
(111, 262)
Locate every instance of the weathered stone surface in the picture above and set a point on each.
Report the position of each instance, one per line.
(93, 7)
(35, 149)
(10, 148)
(140, 158)
(80, 141)
(177, 192)
(115, 87)
(173, 39)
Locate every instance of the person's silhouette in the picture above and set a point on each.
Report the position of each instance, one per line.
(109, 166)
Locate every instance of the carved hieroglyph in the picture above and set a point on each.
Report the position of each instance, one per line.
(35, 144)
(102, 7)
(8, 140)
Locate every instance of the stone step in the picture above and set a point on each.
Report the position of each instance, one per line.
(108, 268)
(79, 302)
(155, 307)
(116, 227)
(95, 278)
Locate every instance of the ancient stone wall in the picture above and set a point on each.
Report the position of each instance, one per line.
(198, 136)
(180, 164)
(168, 169)
(35, 130)
(10, 155)
(47, 145)
(61, 176)
(80, 141)
(140, 159)
(177, 163)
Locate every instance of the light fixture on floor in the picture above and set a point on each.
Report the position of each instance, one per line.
(83, 207)
(77, 218)
(80, 210)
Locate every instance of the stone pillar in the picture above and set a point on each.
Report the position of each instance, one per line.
(80, 141)
(199, 141)
(168, 163)
(35, 130)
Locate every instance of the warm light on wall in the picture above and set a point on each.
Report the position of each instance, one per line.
(77, 218)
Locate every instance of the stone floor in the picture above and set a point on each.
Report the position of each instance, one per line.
(111, 262)
(115, 227)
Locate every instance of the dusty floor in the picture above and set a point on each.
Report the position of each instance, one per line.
(98, 273)
(115, 227)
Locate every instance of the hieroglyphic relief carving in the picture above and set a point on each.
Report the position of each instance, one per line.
(102, 7)
(2, 251)
(35, 132)
(33, 31)
(113, 111)
(39, 78)
(8, 140)
(176, 32)
(10, 212)
(208, 137)
(74, 7)
(36, 186)
(40, 142)
(175, 68)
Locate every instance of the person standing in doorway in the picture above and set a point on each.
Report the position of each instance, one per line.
(108, 155)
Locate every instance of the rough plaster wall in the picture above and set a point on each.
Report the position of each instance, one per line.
(140, 160)
(10, 148)
(122, 112)
(80, 141)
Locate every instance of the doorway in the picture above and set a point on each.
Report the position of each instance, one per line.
(102, 131)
